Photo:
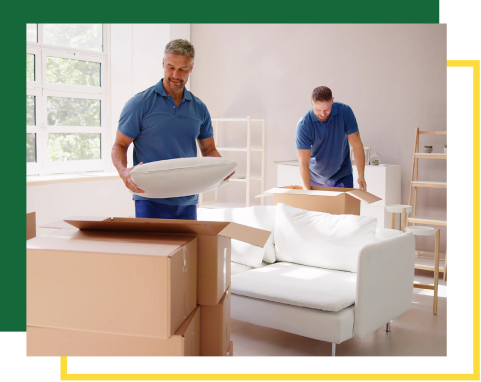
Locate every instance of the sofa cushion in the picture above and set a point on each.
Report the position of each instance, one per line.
(298, 285)
(262, 217)
(321, 240)
(238, 268)
(181, 176)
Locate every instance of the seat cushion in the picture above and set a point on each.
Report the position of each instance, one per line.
(298, 285)
(261, 217)
(321, 240)
(181, 176)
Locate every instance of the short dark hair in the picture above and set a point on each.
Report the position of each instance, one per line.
(321, 93)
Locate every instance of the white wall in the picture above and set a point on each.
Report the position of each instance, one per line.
(136, 52)
(393, 77)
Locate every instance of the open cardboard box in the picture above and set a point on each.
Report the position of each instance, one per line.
(57, 342)
(213, 244)
(332, 200)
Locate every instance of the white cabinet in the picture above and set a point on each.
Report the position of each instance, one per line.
(382, 181)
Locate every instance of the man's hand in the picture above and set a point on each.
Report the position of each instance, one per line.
(129, 183)
(229, 176)
(362, 183)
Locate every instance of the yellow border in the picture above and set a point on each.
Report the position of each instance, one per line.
(15, 366)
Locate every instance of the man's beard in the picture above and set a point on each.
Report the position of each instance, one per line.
(180, 85)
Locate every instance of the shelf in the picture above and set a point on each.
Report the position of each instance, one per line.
(243, 179)
(224, 205)
(447, 132)
(255, 119)
(419, 219)
(428, 264)
(425, 183)
(244, 149)
(431, 155)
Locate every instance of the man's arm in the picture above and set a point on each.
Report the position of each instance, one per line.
(358, 148)
(119, 159)
(304, 158)
(208, 149)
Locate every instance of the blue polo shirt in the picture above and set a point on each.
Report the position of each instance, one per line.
(330, 157)
(162, 130)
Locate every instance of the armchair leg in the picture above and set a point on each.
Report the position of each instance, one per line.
(333, 349)
(388, 327)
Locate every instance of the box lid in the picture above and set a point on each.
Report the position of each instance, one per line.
(362, 195)
(236, 231)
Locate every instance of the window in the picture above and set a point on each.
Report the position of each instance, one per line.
(67, 98)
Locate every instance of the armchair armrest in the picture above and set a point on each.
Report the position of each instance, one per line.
(385, 276)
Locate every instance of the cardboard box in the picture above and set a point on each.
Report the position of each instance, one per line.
(230, 353)
(64, 342)
(112, 283)
(215, 327)
(213, 240)
(332, 200)
(31, 225)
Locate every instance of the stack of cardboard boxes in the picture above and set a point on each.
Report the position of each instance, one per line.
(132, 287)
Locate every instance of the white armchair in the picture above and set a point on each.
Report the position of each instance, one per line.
(325, 304)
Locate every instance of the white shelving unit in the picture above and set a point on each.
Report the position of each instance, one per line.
(248, 179)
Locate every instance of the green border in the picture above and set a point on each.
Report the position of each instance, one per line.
(13, 190)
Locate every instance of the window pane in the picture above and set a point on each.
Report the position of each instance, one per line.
(30, 67)
(31, 150)
(78, 36)
(32, 32)
(30, 110)
(73, 111)
(79, 146)
(72, 72)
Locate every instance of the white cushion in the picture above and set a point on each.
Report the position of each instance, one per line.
(238, 268)
(298, 285)
(181, 176)
(321, 240)
(262, 217)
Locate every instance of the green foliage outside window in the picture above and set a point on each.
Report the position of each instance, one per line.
(72, 72)
(30, 67)
(31, 148)
(73, 112)
(81, 146)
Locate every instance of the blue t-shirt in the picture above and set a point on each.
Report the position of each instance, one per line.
(330, 157)
(162, 130)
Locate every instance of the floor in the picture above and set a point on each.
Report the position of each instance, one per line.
(415, 333)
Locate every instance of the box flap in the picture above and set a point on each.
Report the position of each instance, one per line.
(297, 191)
(254, 236)
(62, 224)
(363, 196)
(189, 227)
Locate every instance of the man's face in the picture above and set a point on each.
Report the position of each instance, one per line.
(322, 109)
(176, 71)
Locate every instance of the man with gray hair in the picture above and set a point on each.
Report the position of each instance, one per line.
(164, 122)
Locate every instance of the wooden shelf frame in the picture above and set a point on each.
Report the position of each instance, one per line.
(415, 182)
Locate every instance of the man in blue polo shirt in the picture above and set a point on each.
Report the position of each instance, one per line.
(323, 136)
(164, 122)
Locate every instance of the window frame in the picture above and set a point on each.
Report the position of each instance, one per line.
(42, 90)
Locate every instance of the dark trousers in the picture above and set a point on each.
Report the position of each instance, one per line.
(346, 182)
(150, 209)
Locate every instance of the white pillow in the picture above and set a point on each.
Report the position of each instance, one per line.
(321, 240)
(262, 217)
(182, 176)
